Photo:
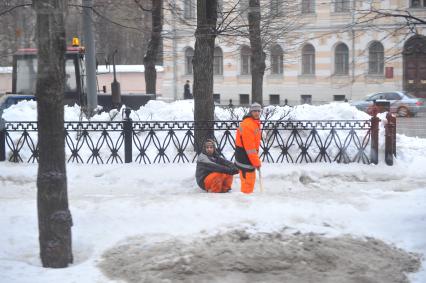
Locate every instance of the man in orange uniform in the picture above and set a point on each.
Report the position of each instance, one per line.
(247, 144)
(214, 173)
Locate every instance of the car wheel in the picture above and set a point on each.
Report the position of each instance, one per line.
(403, 111)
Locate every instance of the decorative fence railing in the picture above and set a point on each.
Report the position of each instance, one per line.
(173, 141)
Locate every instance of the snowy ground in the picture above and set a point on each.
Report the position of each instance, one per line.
(312, 223)
(162, 202)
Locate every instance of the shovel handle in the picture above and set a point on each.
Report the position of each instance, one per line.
(260, 180)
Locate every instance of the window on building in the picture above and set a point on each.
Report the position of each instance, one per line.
(276, 60)
(245, 60)
(6, 3)
(339, 97)
(308, 6)
(274, 99)
(244, 6)
(189, 55)
(218, 61)
(306, 99)
(341, 60)
(418, 3)
(216, 98)
(244, 99)
(276, 7)
(308, 60)
(220, 9)
(341, 5)
(188, 9)
(376, 59)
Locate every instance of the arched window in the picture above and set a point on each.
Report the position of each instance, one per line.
(418, 3)
(341, 6)
(188, 9)
(276, 7)
(218, 61)
(244, 6)
(276, 60)
(341, 60)
(376, 58)
(308, 6)
(220, 9)
(245, 60)
(308, 60)
(189, 54)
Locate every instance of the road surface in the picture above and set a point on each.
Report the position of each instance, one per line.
(412, 126)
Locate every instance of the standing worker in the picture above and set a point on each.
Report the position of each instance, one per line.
(247, 144)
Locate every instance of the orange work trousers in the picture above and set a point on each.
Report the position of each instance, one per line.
(218, 182)
(247, 181)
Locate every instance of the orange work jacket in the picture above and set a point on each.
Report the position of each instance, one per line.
(247, 143)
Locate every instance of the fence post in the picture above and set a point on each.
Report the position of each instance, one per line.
(389, 138)
(128, 136)
(394, 134)
(2, 140)
(374, 153)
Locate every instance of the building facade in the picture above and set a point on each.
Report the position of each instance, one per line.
(331, 51)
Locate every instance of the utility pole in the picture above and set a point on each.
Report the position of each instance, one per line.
(174, 56)
(89, 42)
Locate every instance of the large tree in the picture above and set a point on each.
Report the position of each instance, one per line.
(54, 217)
(261, 23)
(258, 56)
(151, 55)
(205, 36)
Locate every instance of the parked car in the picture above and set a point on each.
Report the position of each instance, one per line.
(402, 103)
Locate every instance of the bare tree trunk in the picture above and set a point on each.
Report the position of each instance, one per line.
(257, 55)
(153, 47)
(205, 36)
(54, 216)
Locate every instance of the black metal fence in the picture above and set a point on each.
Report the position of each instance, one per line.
(291, 141)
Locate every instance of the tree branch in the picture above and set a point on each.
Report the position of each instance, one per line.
(15, 7)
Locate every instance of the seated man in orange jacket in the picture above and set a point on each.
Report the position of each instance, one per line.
(213, 173)
(247, 144)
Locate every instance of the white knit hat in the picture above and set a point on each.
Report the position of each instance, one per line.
(255, 107)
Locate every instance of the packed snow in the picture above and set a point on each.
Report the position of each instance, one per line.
(323, 222)
(183, 110)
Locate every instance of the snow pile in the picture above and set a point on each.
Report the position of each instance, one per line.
(183, 110)
(102, 69)
(408, 149)
(238, 256)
